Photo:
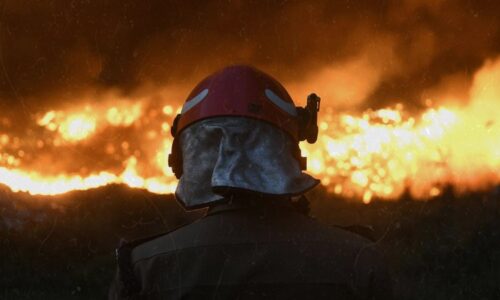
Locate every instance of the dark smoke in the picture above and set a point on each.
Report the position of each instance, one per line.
(57, 49)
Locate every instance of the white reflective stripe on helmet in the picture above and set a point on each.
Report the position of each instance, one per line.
(193, 101)
(282, 104)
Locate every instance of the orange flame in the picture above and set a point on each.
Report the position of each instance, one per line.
(377, 154)
(380, 153)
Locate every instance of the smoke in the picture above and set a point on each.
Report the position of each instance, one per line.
(356, 54)
(88, 89)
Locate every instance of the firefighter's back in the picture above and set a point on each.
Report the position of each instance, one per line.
(259, 251)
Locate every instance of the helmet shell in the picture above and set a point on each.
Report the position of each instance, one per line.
(241, 91)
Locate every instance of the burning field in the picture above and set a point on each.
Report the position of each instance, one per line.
(376, 153)
(409, 138)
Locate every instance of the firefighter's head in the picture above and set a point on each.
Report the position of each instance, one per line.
(238, 131)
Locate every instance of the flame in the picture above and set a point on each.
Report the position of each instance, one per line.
(375, 154)
(123, 116)
(380, 153)
(71, 127)
(37, 184)
(77, 127)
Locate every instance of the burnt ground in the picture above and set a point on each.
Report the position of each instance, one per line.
(62, 247)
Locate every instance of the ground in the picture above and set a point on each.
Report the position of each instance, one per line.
(63, 247)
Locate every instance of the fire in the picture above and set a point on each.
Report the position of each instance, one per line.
(123, 116)
(73, 127)
(380, 153)
(37, 184)
(77, 127)
(377, 154)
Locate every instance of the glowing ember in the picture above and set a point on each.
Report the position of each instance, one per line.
(123, 116)
(378, 154)
(77, 127)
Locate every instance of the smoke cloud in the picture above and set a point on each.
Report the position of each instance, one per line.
(355, 54)
(88, 88)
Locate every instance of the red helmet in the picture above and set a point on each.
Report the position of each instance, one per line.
(241, 91)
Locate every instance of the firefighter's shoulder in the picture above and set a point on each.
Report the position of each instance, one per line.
(364, 231)
(126, 248)
(357, 233)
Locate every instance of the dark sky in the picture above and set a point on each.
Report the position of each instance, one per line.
(54, 49)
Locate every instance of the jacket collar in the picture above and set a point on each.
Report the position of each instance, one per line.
(247, 203)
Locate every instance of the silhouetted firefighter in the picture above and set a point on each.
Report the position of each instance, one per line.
(236, 152)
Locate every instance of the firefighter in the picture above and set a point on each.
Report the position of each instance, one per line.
(235, 152)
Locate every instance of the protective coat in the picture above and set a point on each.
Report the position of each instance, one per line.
(254, 250)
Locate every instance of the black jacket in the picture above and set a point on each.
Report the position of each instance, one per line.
(253, 252)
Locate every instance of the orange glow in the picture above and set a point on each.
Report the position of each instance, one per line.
(381, 153)
(37, 184)
(123, 116)
(376, 154)
(77, 127)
